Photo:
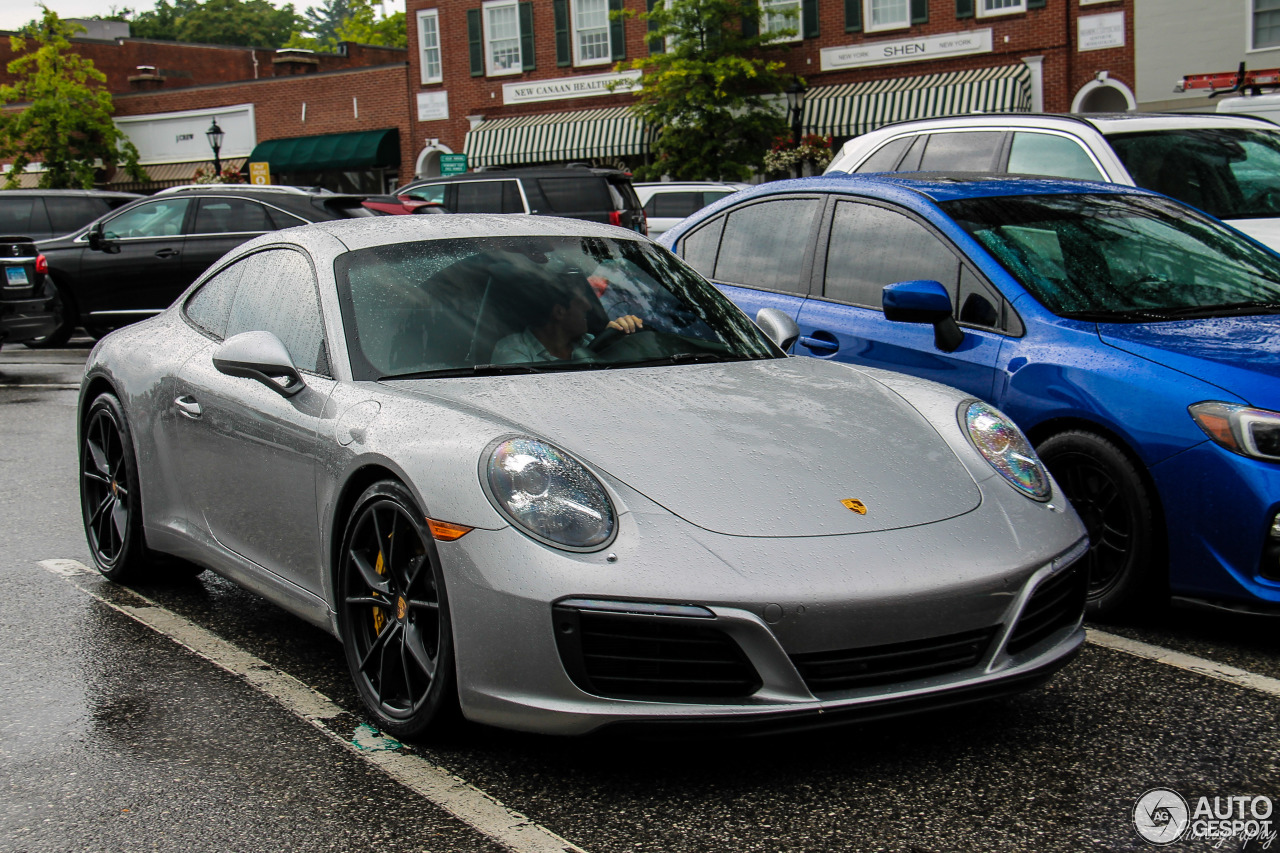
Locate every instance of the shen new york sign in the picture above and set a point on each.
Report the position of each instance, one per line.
(563, 88)
(906, 50)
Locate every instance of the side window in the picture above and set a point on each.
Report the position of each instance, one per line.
(230, 216)
(978, 304)
(764, 244)
(678, 205)
(1048, 154)
(961, 152)
(576, 195)
(280, 219)
(277, 293)
(911, 160)
(210, 306)
(68, 214)
(699, 248)
(153, 219)
(15, 214)
(872, 246)
(430, 192)
(887, 156)
(488, 197)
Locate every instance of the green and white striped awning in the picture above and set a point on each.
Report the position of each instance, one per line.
(553, 137)
(856, 108)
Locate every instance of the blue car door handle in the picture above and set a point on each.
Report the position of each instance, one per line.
(819, 344)
(188, 407)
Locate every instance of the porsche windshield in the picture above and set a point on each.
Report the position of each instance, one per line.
(1122, 258)
(503, 305)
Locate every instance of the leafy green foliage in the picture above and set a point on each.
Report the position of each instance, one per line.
(711, 94)
(250, 23)
(67, 123)
(359, 23)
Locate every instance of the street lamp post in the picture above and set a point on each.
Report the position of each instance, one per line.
(214, 134)
(795, 106)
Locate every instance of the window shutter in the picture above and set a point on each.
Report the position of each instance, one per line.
(1036, 4)
(617, 32)
(751, 21)
(656, 43)
(527, 59)
(919, 11)
(475, 42)
(852, 16)
(564, 55)
(809, 11)
(964, 8)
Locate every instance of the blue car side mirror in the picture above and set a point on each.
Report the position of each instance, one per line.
(924, 301)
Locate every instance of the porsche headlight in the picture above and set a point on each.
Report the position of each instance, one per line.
(1004, 446)
(548, 494)
(1240, 429)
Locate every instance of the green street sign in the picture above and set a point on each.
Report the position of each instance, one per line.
(452, 164)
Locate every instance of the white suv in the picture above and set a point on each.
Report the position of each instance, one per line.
(668, 202)
(1226, 165)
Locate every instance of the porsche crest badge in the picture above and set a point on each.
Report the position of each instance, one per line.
(856, 505)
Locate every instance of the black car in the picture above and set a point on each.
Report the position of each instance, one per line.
(597, 195)
(26, 299)
(43, 214)
(133, 262)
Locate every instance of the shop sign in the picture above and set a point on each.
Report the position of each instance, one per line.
(906, 50)
(563, 88)
(1099, 32)
(433, 106)
(452, 164)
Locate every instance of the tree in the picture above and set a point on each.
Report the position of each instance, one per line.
(359, 23)
(67, 124)
(710, 93)
(249, 23)
(321, 22)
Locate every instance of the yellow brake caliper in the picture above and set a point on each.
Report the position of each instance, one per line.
(379, 618)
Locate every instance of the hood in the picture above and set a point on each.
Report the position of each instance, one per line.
(1238, 354)
(1266, 230)
(764, 448)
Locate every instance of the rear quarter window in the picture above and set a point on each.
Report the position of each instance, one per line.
(576, 195)
(68, 214)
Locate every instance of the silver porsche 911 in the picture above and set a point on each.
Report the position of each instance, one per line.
(541, 471)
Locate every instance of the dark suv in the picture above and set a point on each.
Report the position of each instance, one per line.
(579, 192)
(26, 300)
(42, 214)
(133, 262)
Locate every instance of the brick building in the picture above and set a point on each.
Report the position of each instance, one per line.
(511, 82)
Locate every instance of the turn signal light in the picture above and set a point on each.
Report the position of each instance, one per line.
(444, 531)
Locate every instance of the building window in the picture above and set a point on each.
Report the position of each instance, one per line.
(887, 14)
(502, 37)
(591, 32)
(782, 15)
(429, 45)
(1266, 24)
(987, 8)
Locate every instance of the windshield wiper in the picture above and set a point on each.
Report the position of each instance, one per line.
(683, 358)
(1226, 309)
(1175, 312)
(473, 370)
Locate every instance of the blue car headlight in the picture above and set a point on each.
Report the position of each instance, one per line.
(548, 494)
(1004, 446)
(1240, 429)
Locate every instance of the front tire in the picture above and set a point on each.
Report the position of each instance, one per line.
(393, 614)
(1115, 504)
(109, 498)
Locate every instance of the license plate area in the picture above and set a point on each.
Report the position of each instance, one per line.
(16, 277)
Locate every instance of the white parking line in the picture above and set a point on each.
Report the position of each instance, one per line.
(1191, 663)
(456, 796)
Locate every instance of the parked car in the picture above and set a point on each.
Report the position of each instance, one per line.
(26, 300)
(596, 195)
(1225, 165)
(42, 214)
(133, 262)
(666, 203)
(1137, 341)
(676, 524)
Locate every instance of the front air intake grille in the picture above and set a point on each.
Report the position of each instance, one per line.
(1056, 603)
(632, 656)
(849, 669)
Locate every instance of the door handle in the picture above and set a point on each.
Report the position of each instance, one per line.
(188, 407)
(818, 344)
(167, 253)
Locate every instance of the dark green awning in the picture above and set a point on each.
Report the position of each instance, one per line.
(330, 151)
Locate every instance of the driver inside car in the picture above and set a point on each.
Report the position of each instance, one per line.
(558, 326)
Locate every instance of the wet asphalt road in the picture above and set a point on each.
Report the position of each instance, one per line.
(113, 737)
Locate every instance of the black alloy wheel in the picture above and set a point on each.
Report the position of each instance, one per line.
(65, 312)
(393, 613)
(109, 494)
(1114, 503)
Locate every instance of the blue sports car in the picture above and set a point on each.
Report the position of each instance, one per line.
(1135, 340)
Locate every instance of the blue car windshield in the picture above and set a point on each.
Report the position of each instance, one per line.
(510, 305)
(1122, 258)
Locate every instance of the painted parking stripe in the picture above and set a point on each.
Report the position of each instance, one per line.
(1191, 663)
(456, 796)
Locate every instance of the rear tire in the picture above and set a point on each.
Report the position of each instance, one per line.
(1114, 502)
(65, 310)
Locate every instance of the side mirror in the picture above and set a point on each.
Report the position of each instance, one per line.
(924, 301)
(779, 327)
(262, 357)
